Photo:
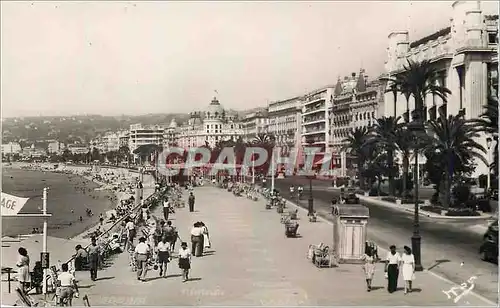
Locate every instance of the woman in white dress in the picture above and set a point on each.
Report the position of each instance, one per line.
(408, 266)
(23, 269)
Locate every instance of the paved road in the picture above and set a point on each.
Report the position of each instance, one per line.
(424, 192)
(252, 263)
(445, 244)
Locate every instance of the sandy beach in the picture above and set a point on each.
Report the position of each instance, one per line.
(68, 197)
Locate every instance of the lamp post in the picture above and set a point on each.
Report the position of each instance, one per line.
(310, 201)
(488, 175)
(253, 168)
(418, 129)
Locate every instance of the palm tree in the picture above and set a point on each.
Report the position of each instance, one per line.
(374, 167)
(404, 142)
(354, 146)
(263, 138)
(488, 123)
(383, 135)
(418, 80)
(453, 141)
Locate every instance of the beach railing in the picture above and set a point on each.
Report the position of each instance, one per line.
(136, 209)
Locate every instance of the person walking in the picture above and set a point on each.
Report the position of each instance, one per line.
(101, 219)
(166, 209)
(130, 227)
(206, 236)
(197, 240)
(184, 261)
(68, 286)
(191, 202)
(392, 269)
(171, 234)
(93, 254)
(369, 268)
(408, 268)
(81, 257)
(23, 268)
(142, 253)
(163, 256)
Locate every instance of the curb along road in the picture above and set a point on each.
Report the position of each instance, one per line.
(384, 251)
(421, 212)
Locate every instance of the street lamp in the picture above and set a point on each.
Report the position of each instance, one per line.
(488, 178)
(418, 130)
(310, 201)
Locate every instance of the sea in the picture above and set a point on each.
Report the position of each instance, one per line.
(68, 198)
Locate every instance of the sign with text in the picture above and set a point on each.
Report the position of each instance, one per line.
(11, 205)
(44, 258)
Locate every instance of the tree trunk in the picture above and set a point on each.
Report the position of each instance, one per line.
(390, 165)
(360, 174)
(405, 174)
(447, 192)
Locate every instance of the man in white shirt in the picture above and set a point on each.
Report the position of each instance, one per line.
(392, 269)
(163, 255)
(130, 228)
(142, 253)
(67, 285)
(197, 239)
(166, 209)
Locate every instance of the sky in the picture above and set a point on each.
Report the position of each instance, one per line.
(113, 58)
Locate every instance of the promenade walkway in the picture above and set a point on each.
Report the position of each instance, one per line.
(251, 262)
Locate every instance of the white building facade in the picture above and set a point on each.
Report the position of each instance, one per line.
(213, 125)
(254, 123)
(356, 104)
(465, 54)
(141, 135)
(55, 147)
(11, 148)
(285, 122)
(316, 110)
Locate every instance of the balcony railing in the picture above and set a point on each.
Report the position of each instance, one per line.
(313, 119)
(316, 108)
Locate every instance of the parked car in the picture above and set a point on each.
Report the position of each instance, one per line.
(489, 248)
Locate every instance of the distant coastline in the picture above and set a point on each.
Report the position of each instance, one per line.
(69, 196)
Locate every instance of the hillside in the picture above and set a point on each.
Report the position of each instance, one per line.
(74, 128)
(83, 128)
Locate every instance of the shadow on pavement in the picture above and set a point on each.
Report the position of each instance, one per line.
(194, 279)
(105, 278)
(438, 262)
(173, 276)
(377, 288)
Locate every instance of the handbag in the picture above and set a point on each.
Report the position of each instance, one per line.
(386, 275)
(413, 276)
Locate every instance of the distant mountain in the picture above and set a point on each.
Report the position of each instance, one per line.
(75, 128)
(82, 128)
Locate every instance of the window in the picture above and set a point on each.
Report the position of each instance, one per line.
(493, 38)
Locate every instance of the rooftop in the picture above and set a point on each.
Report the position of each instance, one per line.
(431, 37)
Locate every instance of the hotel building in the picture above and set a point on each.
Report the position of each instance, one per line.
(142, 135)
(285, 122)
(171, 135)
(465, 55)
(254, 123)
(355, 105)
(209, 127)
(316, 110)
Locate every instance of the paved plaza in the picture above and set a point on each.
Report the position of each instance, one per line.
(251, 262)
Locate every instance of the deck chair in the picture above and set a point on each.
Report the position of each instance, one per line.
(25, 299)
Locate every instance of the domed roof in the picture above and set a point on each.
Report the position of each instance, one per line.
(173, 124)
(214, 107)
